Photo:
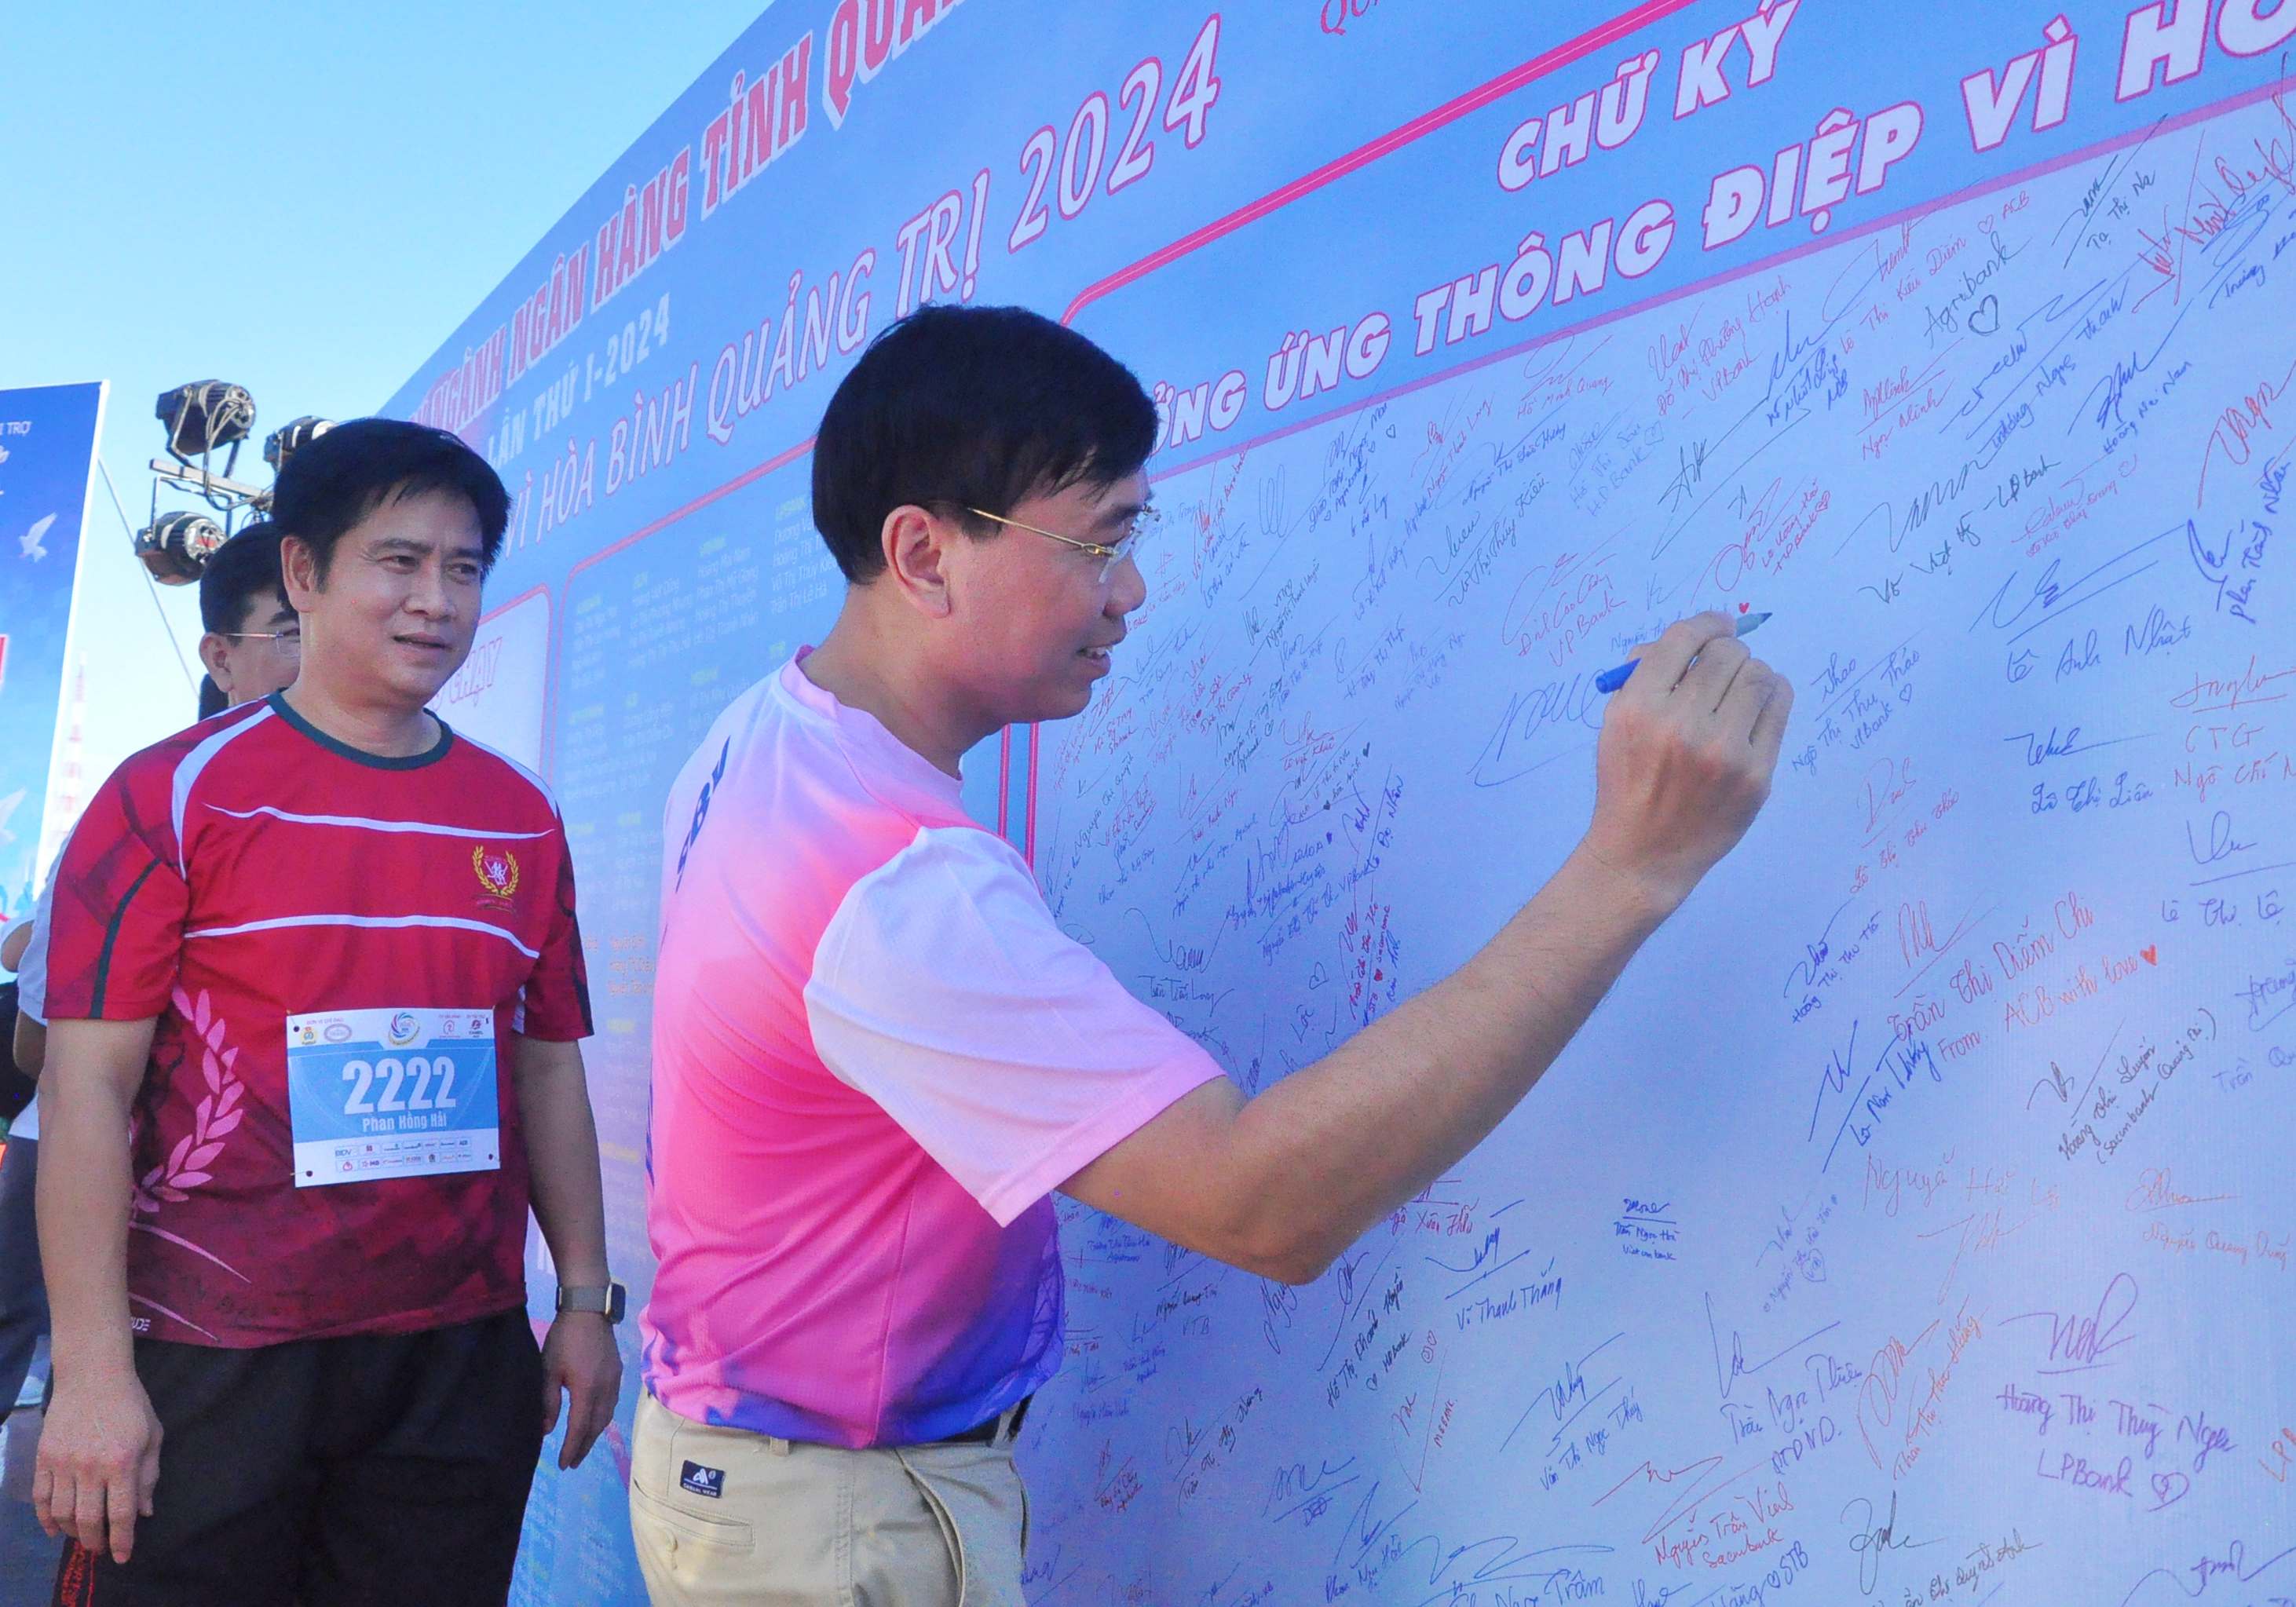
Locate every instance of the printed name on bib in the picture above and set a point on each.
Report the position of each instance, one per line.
(392, 1093)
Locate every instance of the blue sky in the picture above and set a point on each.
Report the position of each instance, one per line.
(303, 200)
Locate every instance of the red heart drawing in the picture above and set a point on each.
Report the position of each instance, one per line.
(1742, 607)
(2152, 953)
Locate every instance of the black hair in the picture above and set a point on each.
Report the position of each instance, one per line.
(969, 406)
(236, 578)
(337, 480)
(237, 574)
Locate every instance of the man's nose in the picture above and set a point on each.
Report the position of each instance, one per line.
(429, 596)
(1128, 587)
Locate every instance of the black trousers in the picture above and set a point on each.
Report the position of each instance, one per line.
(376, 1470)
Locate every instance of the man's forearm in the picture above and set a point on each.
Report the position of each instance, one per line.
(1345, 1141)
(562, 1154)
(84, 1180)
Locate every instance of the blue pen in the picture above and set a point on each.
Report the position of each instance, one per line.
(1611, 680)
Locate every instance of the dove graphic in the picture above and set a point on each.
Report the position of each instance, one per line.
(32, 549)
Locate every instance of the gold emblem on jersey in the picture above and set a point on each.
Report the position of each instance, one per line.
(497, 870)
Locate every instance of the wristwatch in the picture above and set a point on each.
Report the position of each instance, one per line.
(608, 1299)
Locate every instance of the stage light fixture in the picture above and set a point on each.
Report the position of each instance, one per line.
(175, 546)
(205, 416)
(292, 437)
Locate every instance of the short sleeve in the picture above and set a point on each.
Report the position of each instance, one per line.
(943, 990)
(115, 932)
(32, 975)
(555, 1002)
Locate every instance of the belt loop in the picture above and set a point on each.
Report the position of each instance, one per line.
(779, 1448)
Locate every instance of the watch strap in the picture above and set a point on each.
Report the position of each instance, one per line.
(607, 1299)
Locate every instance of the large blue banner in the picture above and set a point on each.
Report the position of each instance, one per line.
(47, 457)
(1914, 1223)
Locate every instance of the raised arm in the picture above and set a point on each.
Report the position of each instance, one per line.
(1281, 1185)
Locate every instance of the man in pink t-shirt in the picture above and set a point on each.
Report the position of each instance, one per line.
(876, 1056)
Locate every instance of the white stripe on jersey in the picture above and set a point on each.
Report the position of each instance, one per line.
(388, 921)
(187, 772)
(540, 784)
(361, 823)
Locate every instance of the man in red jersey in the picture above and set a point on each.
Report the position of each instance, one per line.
(292, 948)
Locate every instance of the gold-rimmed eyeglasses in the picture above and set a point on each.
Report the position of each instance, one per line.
(282, 641)
(1143, 523)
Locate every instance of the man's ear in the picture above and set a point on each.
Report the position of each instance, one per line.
(298, 572)
(916, 546)
(213, 651)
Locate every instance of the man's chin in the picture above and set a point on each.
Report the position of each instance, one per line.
(1033, 703)
(1066, 704)
(419, 687)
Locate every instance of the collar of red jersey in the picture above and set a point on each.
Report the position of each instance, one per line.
(280, 705)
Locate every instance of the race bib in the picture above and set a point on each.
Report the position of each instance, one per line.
(376, 1094)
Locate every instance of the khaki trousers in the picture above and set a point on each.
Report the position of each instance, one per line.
(798, 1525)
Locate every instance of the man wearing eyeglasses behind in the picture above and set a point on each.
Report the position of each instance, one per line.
(253, 640)
(876, 1056)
